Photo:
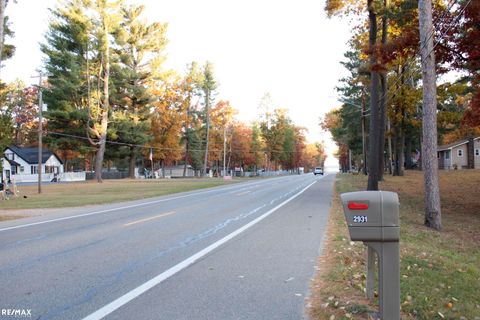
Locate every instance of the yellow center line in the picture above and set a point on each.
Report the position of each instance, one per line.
(148, 219)
(243, 193)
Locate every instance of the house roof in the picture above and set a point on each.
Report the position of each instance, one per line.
(454, 144)
(30, 155)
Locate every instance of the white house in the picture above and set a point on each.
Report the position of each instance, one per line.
(21, 164)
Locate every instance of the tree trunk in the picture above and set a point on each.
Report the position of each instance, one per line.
(186, 160)
(374, 156)
(408, 151)
(65, 161)
(105, 106)
(162, 166)
(399, 151)
(384, 95)
(101, 148)
(132, 163)
(382, 115)
(429, 126)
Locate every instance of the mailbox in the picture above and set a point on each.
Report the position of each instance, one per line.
(372, 215)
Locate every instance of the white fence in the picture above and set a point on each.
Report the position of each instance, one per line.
(72, 176)
(20, 177)
(47, 177)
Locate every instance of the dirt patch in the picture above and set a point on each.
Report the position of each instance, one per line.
(331, 296)
(6, 215)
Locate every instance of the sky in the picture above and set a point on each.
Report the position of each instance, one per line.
(288, 48)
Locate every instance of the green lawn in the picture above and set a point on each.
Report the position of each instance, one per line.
(88, 193)
(440, 271)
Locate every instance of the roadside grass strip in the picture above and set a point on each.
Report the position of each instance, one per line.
(439, 271)
(76, 194)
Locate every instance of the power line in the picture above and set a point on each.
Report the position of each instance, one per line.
(126, 144)
(410, 65)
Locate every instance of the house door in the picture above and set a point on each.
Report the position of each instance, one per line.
(7, 175)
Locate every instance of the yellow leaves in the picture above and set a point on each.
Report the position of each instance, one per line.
(221, 114)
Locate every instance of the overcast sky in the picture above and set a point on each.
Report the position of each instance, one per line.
(285, 47)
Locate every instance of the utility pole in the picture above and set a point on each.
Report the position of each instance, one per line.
(224, 149)
(151, 163)
(40, 129)
(390, 158)
(433, 215)
(364, 138)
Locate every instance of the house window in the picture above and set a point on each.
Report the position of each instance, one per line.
(33, 169)
(460, 152)
(447, 155)
(22, 169)
(477, 152)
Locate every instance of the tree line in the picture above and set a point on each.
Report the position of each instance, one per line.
(384, 91)
(110, 100)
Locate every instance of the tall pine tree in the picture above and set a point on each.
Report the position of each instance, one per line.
(67, 54)
(139, 49)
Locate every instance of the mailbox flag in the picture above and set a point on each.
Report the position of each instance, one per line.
(352, 205)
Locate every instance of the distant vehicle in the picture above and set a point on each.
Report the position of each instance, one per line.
(318, 170)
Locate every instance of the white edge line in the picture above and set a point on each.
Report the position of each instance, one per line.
(129, 296)
(115, 209)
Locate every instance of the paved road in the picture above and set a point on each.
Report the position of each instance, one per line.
(245, 251)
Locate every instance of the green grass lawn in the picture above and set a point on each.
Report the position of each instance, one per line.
(88, 193)
(440, 271)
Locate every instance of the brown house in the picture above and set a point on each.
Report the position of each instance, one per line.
(463, 154)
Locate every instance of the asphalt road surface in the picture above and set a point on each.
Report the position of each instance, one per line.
(244, 251)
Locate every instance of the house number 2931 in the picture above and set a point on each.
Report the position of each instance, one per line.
(360, 219)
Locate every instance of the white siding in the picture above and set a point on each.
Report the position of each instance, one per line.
(53, 162)
(460, 161)
(448, 161)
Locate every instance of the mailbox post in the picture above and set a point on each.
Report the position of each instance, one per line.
(373, 217)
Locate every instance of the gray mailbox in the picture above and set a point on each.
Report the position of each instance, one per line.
(373, 217)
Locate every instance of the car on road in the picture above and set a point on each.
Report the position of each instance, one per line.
(318, 170)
